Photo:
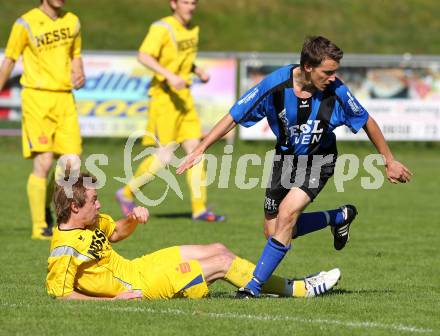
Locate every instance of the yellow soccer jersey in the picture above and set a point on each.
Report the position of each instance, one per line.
(83, 260)
(173, 45)
(48, 47)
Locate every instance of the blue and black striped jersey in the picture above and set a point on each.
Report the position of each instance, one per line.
(302, 126)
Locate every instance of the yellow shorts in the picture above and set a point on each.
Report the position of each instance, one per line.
(49, 123)
(165, 276)
(172, 118)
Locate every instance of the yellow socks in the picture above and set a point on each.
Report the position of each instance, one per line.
(240, 273)
(299, 288)
(196, 179)
(36, 190)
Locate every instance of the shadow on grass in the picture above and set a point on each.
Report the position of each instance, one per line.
(341, 291)
(173, 215)
(231, 294)
(222, 295)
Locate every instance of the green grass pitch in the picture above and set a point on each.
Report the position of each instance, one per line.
(390, 268)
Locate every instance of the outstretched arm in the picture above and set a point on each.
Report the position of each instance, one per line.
(5, 71)
(128, 295)
(396, 172)
(225, 124)
(125, 227)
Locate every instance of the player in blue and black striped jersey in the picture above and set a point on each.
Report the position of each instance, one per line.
(303, 104)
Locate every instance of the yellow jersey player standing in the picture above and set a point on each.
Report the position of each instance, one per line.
(83, 265)
(169, 50)
(49, 40)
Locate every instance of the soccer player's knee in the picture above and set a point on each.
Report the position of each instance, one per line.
(46, 164)
(42, 164)
(225, 259)
(220, 248)
(286, 218)
(165, 155)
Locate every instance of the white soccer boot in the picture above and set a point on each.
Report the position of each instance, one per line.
(322, 282)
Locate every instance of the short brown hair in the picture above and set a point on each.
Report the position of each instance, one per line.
(316, 49)
(63, 203)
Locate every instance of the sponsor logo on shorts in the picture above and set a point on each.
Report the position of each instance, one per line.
(184, 267)
(42, 139)
(270, 205)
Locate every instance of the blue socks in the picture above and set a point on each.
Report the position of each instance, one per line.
(272, 255)
(313, 221)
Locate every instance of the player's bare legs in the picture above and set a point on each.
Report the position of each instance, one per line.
(290, 209)
(280, 230)
(42, 164)
(218, 262)
(215, 267)
(190, 252)
(215, 259)
(338, 219)
(279, 243)
(270, 224)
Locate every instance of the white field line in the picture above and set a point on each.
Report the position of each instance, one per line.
(352, 324)
(270, 318)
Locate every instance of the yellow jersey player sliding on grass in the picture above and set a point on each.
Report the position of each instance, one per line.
(83, 265)
(49, 40)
